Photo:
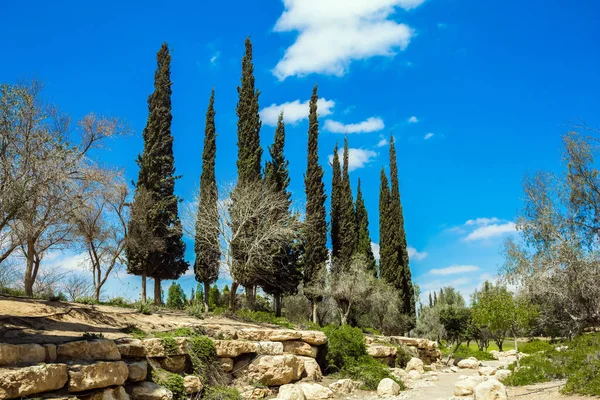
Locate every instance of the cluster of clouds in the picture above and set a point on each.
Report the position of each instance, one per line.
(484, 228)
(413, 253)
(331, 34)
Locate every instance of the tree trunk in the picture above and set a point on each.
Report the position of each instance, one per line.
(250, 296)
(315, 317)
(144, 287)
(499, 343)
(97, 294)
(205, 299)
(232, 295)
(157, 292)
(29, 271)
(278, 305)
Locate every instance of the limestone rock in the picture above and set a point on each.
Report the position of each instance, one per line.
(414, 375)
(113, 393)
(192, 384)
(491, 389)
(315, 338)
(345, 386)
(398, 372)
(19, 382)
(468, 364)
(275, 370)
(495, 354)
(487, 371)
(149, 391)
(50, 350)
(81, 350)
(131, 348)
(502, 374)
(415, 364)
(255, 393)
(174, 364)
(226, 364)
(290, 392)
(312, 371)
(274, 335)
(381, 351)
(155, 347)
(15, 354)
(270, 348)
(315, 391)
(234, 348)
(137, 371)
(104, 349)
(299, 348)
(465, 387)
(388, 387)
(96, 376)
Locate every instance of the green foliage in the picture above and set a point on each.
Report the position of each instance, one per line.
(455, 320)
(144, 308)
(214, 297)
(195, 310)
(263, 317)
(363, 245)
(86, 300)
(169, 344)
(171, 381)
(92, 336)
(345, 345)
(221, 393)
(179, 332)
(59, 297)
(402, 357)
(176, 297)
(118, 302)
(535, 346)
(465, 352)
(369, 371)
(134, 331)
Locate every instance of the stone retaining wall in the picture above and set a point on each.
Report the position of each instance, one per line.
(384, 348)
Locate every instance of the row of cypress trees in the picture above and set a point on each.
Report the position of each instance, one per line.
(155, 247)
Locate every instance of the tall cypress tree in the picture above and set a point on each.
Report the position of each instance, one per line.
(336, 208)
(387, 254)
(207, 249)
(348, 231)
(156, 181)
(287, 273)
(316, 253)
(363, 245)
(248, 162)
(403, 277)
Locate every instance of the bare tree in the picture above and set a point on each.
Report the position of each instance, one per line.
(77, 285)
(101, 227)
(45, 169)
(257, 207)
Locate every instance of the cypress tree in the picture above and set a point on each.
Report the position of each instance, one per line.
(157, 205)
(207, 247)
(348, 231)
(363, 245)
(287, 273)
(336, 208)
(387, 255)
(248, 162)
(430, 301)
(435, 300)
(403, 278)
(316, 253)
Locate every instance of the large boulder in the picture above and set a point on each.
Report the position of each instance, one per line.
(234, 348)
(149, 391)
(176, 364)
(315, 391)
(270, 348)
(20, 382)
(502, 374)
(468, 363)
(15, 354)
(381, 351)
(255, 393)
(155, 347)
(415, 364)
(387, 387)
(487, 371)
(312, 370)
(274, 370)
(345, 386)
(465, 387)
(113, 393)
(316, 338)
(97, 376)
(299, 348)
(82, 350)
(274, 335)
(137, 371)
(290, 392)
(490, 389)
(192, 384)
(131, 348)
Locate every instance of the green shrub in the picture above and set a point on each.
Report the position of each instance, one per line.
(118, 302)
(534, 369)
(195, 310)
(465, 352)
(12, 291)
(171, 381)
(86, 300)
(144, 308)
(203, 355)
(402, 357)
(369, 371)
(176, 297)
(58, 297)
(134, 331)
(92, 336)
(345, 345)
(535, 346)
(263, 317)
(221, 393)
(179, 332)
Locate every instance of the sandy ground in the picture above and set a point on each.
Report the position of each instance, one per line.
(38, 321)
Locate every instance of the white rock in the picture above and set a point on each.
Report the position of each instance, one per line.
(315, 391)
(491, 389)
(414, 375)
(465, 387)
(290, 392)
(345, 386)
(275, 370)
(20, 382)
(502, 374)
(312, 371)
(454, 368)
(192, 384)
(468, 363)
(388, 387)
(149, 391)
(495, 354)
(415, 364)
(487, 371)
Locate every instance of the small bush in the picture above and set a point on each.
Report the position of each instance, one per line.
(465, 352)
(12, 291)
(58, 297)
(534, 369)
(118, 302)
(179, 332)
(535, 346)
(345, 345)
(134, 331)
(92, 336)
(221, 393)
(369, 371)
(144, 308)
(402, 357)
(263, 317)
(195, 310)
(86, 300)
(171, 381)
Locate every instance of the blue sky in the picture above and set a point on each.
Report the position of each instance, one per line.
(477, 94)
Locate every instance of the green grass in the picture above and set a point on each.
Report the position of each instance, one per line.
(263, 317)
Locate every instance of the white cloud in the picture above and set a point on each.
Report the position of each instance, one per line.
(490, 231)
(294, 111)
(333, 33)
(482, 221)
(413, 254)
(382, 142)
(357, 158)
(454, 269)
(428, 136)
(215, 57)
(66, 260)
(375, 249)
(413, 120)
(372, 124)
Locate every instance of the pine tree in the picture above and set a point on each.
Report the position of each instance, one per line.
(287, 273)
(207, 246)
(248, 163)
(348, 229)
(403, 278)
(157, 221)
(336, 208)
(316, 253)
(363, 245)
